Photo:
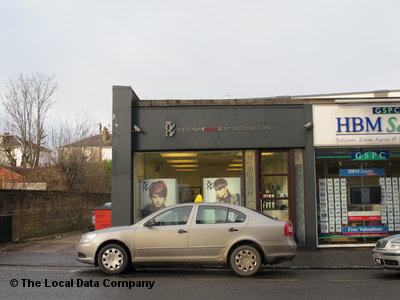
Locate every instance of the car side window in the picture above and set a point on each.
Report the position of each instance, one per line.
(173, 216)
(235, 216)
(218, 214)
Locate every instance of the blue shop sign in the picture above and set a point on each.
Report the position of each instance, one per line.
(366, 229)
(361, 172)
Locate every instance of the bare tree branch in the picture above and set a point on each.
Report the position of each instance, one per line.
(27, 100)
(73, 161)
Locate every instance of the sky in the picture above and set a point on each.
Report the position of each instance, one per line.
(198, 49)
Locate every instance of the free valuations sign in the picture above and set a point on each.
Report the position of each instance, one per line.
(352, 125)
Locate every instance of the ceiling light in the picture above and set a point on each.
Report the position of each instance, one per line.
(235, 165)
(178, 154)
(184, 161)
(185, 166)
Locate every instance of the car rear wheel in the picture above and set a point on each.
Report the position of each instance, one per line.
(113, 259)
(245, 260)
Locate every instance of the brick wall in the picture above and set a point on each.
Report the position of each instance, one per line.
(41, 213)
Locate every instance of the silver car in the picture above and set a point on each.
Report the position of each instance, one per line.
(387, 252)
(192, 234)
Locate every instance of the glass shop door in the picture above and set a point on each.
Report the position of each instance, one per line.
(275, 185)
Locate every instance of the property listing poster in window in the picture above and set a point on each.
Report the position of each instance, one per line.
(225, 190)
(332, 204)
(390, 208)
(156, 194)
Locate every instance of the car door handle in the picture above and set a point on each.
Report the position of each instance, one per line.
(233, 229)
(182, 231)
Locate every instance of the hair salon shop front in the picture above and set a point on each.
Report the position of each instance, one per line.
(332, 169)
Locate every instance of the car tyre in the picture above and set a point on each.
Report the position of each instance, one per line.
(245, 260)
(113, 259)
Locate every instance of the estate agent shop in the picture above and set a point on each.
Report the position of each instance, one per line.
(331, 168)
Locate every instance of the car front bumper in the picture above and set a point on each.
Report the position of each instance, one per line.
(387, 259)
(86, 253)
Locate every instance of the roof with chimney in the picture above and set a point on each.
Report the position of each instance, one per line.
(100, 140)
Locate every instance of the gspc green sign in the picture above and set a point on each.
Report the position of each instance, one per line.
(370, 155)
(386, 110)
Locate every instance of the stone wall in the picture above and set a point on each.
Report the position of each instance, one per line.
(42, 213)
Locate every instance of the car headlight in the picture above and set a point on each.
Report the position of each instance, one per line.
(394, 246)
(88, 237)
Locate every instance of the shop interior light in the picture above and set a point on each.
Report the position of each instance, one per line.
(234, 169)
(185, 166)
(238, 160)
(175, 155)
(182, 161)
(235, 165)
(267, 153)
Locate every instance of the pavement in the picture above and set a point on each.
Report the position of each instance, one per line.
(58, 251)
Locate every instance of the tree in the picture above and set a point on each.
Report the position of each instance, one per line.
(27, 100)
(76, 160)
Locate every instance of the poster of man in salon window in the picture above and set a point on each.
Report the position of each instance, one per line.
(222, 190)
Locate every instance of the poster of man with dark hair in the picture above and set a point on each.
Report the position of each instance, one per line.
(223, 190)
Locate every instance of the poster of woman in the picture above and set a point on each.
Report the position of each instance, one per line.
(224, 190)
(156, 194)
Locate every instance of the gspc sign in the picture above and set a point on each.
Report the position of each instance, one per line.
(370, 155)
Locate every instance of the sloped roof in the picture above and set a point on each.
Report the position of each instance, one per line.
(16, 142)
(93, 141)
(8, 176)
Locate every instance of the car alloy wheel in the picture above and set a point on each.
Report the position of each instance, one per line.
(245, 260)
(113, 259)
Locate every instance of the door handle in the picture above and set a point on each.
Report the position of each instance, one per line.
(233, 229)
(182, 231)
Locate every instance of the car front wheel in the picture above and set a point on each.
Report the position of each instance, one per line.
(113, 259)
(245, 260)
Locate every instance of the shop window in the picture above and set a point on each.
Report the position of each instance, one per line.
(163, 179)
(358, 195)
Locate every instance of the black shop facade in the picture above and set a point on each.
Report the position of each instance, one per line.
(261, 152)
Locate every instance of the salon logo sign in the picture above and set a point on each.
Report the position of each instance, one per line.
(171, 129)
(351, 125)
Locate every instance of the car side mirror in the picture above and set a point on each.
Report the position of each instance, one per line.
(150, 223)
